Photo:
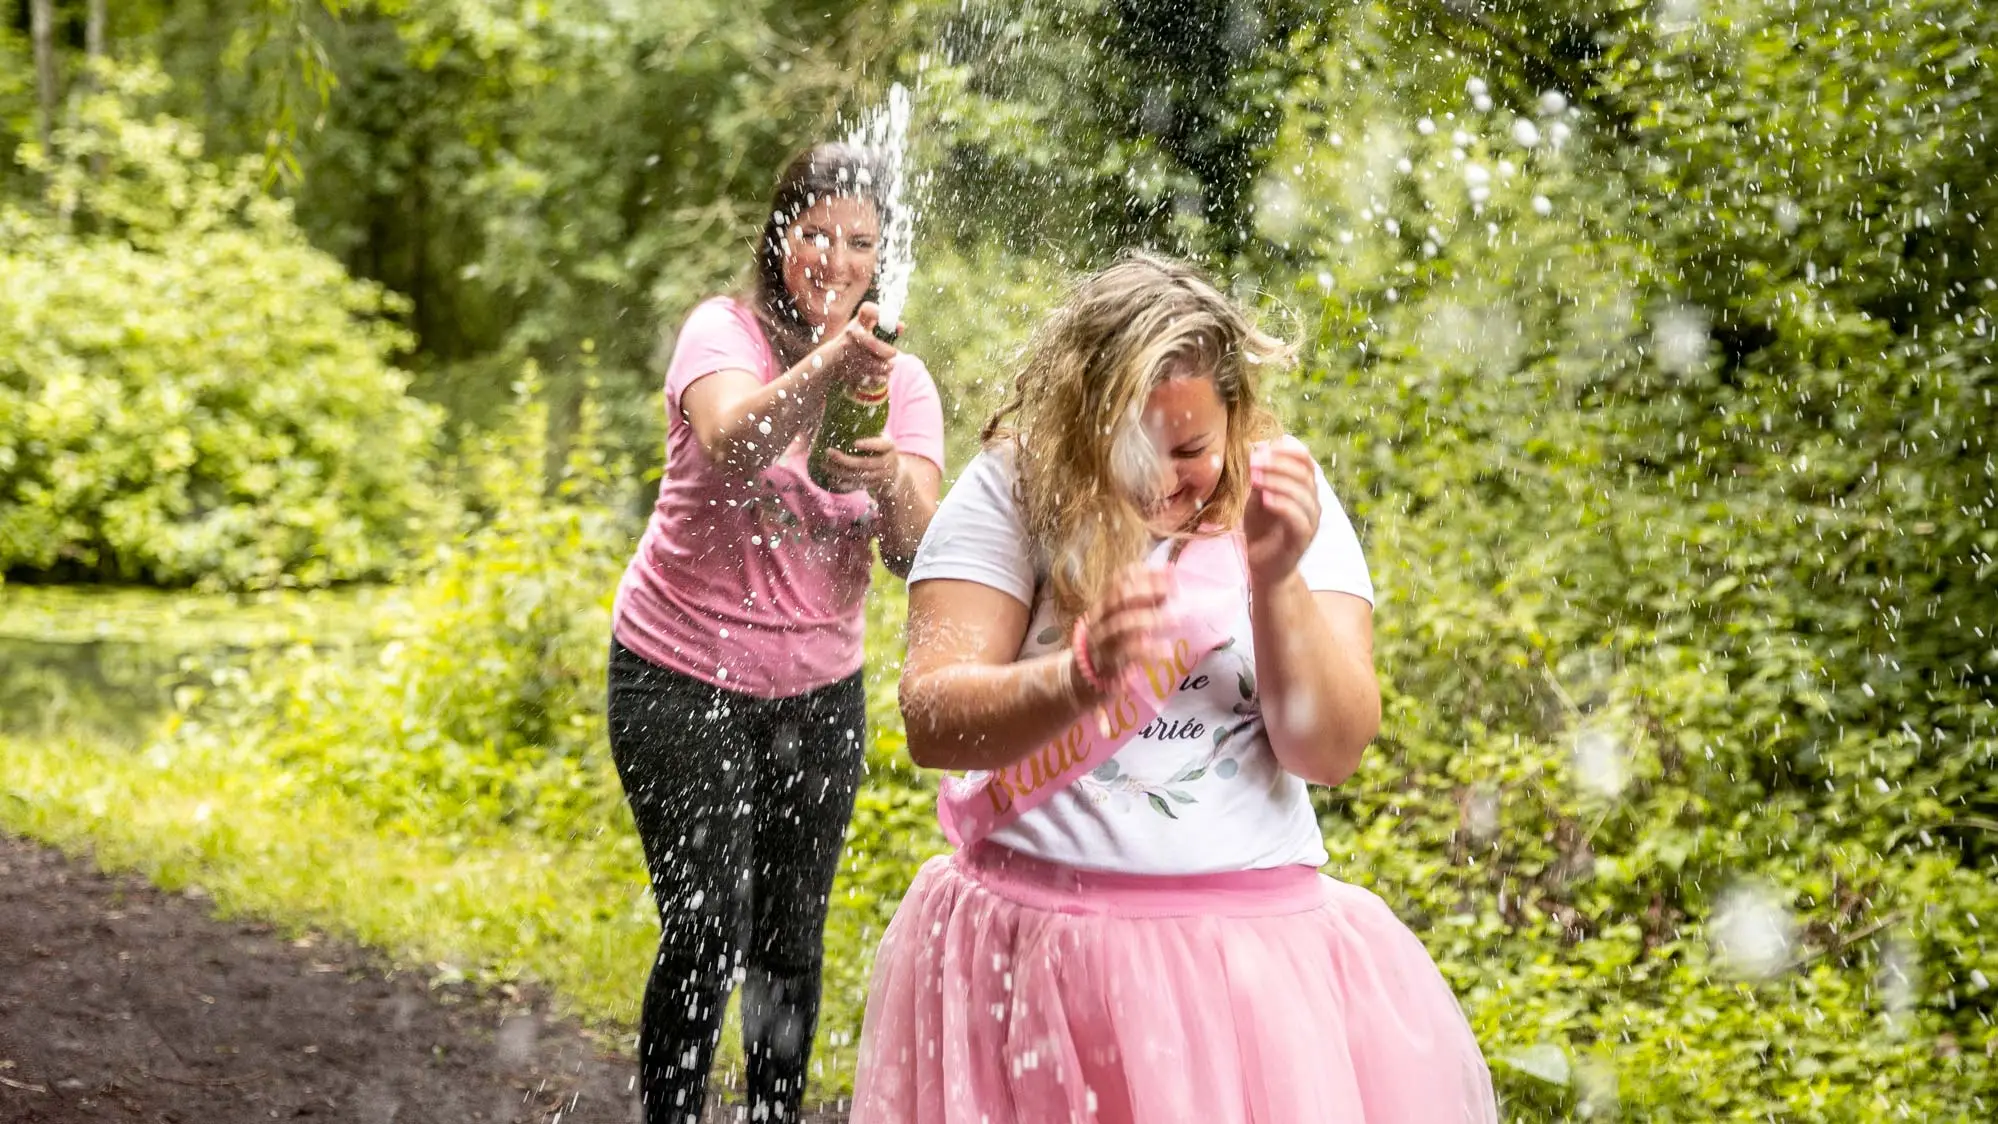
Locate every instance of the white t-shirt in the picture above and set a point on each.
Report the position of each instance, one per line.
(1198, 790)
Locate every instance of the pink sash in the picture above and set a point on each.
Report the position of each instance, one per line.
(1209, 579)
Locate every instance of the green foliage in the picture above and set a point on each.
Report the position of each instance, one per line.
(548, 183)
(184, 623)
(477, 703)
(1651, 345)
(970, 311)
(101, 663)
(1083, 128)
(1676, 601)
(265, 441)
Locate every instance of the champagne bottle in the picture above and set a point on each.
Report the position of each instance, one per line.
(852, 413)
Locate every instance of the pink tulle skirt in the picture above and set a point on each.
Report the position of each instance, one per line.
(1014, 991)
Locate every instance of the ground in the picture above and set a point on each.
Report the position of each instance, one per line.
(120, 1002)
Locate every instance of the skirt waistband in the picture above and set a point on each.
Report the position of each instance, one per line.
(1040, 884)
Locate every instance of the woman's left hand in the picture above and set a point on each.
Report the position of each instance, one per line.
(1282, 517)
(874, 465)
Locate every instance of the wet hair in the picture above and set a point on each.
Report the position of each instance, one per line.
(1074, 419)
(819, 172)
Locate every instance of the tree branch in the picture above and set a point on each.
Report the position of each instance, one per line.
(1844, 942)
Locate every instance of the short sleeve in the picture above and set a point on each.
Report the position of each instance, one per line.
(718, 336)
(915, 413)
(977, 535)
(1333, 562)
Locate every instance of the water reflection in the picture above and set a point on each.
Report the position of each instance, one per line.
(106, 690)
(106, 665)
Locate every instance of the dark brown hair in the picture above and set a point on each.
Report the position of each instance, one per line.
(818, 172)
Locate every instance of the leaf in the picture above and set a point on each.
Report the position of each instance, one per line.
(1161, 807)
(524, 599)
(1048, 635)
(1547, 1062)
(1194, 775)
(1247, 683)
(1226, 769)
(1108, 771)
(1182, 797)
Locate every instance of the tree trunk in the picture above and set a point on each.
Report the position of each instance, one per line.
(565, 391)
(93, 53)
(42, 15)
(93, 31)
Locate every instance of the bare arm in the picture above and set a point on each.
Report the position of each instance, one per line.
(905, 493)
(1315, 670)
(907, 506)
(1314, 651)
(744, 425)
(967, 703)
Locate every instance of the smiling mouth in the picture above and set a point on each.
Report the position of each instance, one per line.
(1163, 504)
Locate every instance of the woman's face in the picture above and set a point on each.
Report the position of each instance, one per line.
(829, 259)
(1187, 424)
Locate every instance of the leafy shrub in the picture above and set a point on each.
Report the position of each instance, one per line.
(1673, 650)
(475, 703)
(189, 392)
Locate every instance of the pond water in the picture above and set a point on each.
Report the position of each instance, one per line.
(104, 663)
(89, 688)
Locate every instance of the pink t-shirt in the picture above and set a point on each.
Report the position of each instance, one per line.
(756, 585)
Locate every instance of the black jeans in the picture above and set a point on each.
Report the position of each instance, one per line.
(742, 805)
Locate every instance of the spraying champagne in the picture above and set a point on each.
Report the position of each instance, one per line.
(852, 412)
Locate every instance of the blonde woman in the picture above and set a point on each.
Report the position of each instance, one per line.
(1140, 625)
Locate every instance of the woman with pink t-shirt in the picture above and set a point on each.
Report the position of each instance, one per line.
(737, 714)
(1142, 626)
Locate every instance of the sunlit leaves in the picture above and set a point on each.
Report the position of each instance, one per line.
(188, 391)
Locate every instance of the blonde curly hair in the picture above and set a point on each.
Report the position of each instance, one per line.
(1073, 421)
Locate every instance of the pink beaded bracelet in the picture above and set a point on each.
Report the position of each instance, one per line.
(1078, 643)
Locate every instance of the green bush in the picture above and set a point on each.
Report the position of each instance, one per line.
(475, 702)
(1679, 624)
(189, 392)
(970, 310)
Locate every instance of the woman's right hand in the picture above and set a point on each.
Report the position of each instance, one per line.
(1123, 630)
(853, 356)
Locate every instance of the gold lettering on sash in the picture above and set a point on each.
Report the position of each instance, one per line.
(1074, 745)
(1164, 676)
(1041, 767)
(1123, 716)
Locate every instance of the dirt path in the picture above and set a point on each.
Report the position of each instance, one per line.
(119, 1002)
